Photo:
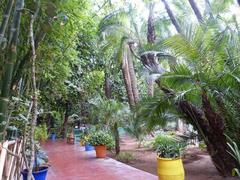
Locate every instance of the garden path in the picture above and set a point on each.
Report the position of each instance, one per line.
(71, 162)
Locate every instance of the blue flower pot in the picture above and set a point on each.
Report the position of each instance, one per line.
(39, 175)
(53, 137)
(89, 147)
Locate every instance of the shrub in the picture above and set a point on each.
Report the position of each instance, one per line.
(202, 146)
(100, 138)
(41, 133)
(167, 147)
(125, 157)
(162, 139)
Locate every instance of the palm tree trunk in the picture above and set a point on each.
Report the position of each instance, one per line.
(196, 10)
(172, 17)
(151, 35)
(150, 86)
(211, 126)
(127, 80)
(9, 65)
(132, 75)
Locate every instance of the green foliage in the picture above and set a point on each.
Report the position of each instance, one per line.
(125, 157)
(235, 153)
(100, 138)
(202, 146)
(41, 133)
(162, 139)
(167, 147)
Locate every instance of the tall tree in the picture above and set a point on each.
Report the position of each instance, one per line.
(196, 10)
(172, 17)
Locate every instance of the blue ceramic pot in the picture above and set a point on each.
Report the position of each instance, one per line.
(39, 175)
(89, 147)
(53, 137)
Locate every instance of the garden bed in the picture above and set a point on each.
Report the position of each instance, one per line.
(197, 163)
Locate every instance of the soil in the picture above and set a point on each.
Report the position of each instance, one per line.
(197, 163)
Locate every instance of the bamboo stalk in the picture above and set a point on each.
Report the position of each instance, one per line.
(8, 67)
(4, 24)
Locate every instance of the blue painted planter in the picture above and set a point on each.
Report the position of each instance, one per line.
(53, 137)
(89, 147)
(40, 175)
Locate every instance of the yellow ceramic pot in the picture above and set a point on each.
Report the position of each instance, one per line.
(170, 169)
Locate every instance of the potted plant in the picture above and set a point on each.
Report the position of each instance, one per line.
(41, 165)
(100, 140)
(53, 135)
(169, 160)
(88, 146)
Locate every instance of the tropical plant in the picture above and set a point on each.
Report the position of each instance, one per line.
(162, 139)
(110, 115)
(198, 88)
(168, 148)
(235, 153)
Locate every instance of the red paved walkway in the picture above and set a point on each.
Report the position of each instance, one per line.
(71, 162)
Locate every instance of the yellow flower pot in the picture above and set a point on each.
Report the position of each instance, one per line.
(170, 169)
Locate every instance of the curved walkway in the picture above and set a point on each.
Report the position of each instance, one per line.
(71, 162)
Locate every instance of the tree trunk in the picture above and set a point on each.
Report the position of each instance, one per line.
(211, 126)
(127, 80)
(150, 86)
(8, 66)
(34, 101)
(133, 78)
(66, 116)
(151, 35)
(196, 11)
(107, 87)
(172, 17)
(117, 139)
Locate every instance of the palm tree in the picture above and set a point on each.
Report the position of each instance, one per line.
(117, 37)
(172, 17)
(110, 115)
(196, 10)
(204, 89)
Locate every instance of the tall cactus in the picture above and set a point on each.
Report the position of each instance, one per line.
(9, 65)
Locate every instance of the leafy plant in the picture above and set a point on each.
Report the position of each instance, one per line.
(125, 157)
(41, 133)
(168, 147)
(202, 146)
(235, 153)
(162, 139)
(100, 138)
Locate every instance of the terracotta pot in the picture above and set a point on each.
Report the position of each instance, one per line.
(100, 151)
